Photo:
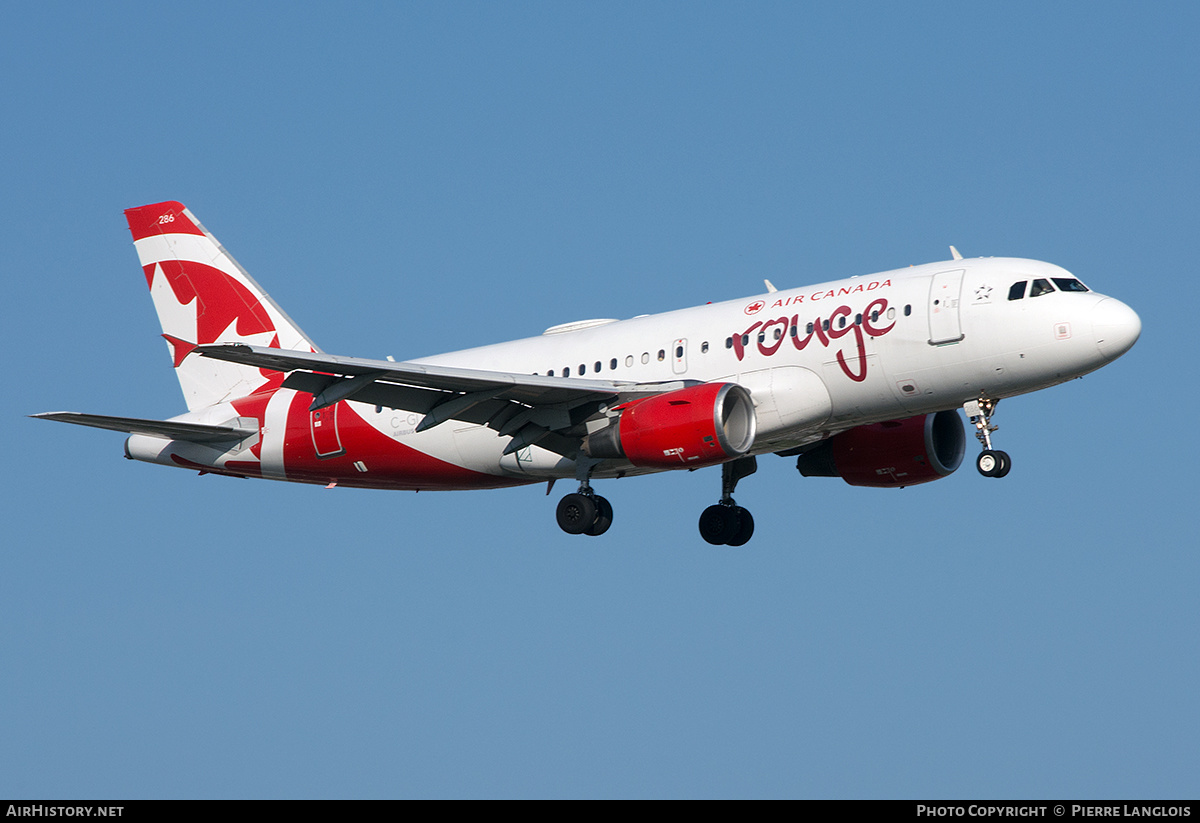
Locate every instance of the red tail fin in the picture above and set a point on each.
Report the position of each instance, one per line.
(203, 296)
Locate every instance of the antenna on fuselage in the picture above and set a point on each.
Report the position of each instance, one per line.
(770, 286)
(954, 253)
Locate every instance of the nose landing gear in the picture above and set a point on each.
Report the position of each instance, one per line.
(726, 523)
(991, 462)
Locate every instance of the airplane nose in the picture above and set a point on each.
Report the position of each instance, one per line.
(1116, 326)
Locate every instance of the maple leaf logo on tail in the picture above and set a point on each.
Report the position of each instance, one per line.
(203, 296)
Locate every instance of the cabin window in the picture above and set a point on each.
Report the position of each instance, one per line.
(566, 371)
(704, 347)
(1040, 287)
(729, 342)
(858, 319)
(596, 368)
(825, 325)
(1017, 292)
(628, 361)
(662, 355)
(842, 322)
(678, 351)
(582, 369)
(762, 337)
(1068, 284)
(612, 364)
(745, 340)
(645, 357)
(792, 330)
(550, 373)
(808, 329)
(908, 310)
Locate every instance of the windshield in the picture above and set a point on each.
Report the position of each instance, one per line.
(1040, 287)
(1069, 284)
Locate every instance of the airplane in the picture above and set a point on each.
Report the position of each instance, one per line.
(860, 378)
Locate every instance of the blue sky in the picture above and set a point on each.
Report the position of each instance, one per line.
(413, 178)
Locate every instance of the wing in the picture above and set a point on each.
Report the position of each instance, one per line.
(174, 430)
(532, 408)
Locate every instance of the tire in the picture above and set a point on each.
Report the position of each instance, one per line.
(989, 463)
(1005, 464)
(604, 516)
(576, 513)
(719, 524)
(745, 527)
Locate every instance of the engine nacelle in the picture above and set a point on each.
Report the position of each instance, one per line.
(696, 426)
(896, 453)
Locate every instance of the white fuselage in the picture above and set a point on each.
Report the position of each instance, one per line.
(817, 361)
(943, 334)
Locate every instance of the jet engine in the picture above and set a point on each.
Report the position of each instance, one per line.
(896, 453)
(697, 426)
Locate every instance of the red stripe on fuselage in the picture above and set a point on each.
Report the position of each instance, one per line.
(389, 464)
(232, 468)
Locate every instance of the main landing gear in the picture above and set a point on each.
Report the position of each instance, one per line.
(584, 512)
(991, 462)
(726, 523)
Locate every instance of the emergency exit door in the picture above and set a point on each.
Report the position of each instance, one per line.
(323, 423)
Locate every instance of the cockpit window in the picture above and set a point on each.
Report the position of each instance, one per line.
(1069, 284)
(1040, 287)
(1017, 291)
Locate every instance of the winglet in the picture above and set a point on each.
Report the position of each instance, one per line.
(179, 348)
(954, 253)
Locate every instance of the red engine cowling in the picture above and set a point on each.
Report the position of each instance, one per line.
(896, 453)
(696, 426)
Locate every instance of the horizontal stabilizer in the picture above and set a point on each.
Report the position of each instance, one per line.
(172, 430)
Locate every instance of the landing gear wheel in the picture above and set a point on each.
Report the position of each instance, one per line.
(728, 524)
(745, 527)
(720, 524)
(576, 513)
(1005, 463)
(993, 463)
(604, 515)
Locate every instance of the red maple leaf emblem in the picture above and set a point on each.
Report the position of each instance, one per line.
(755, 307)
